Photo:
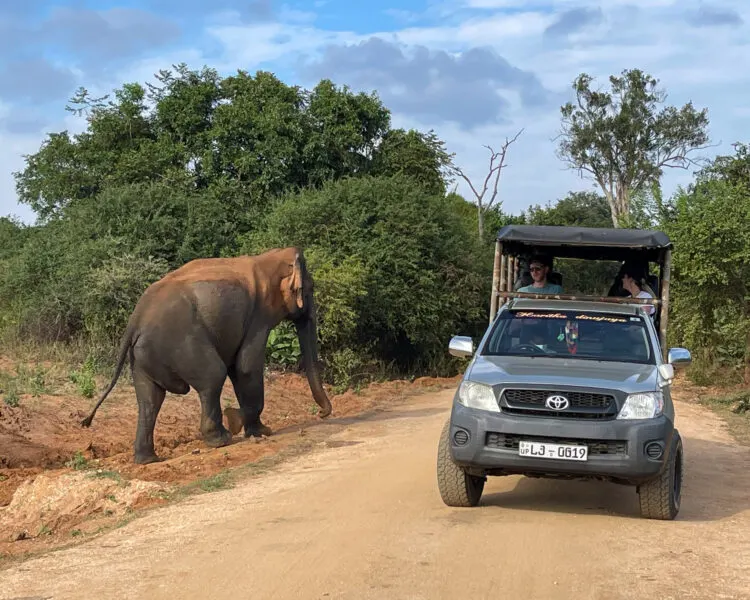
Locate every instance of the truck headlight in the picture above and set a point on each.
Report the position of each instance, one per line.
(645, 405)
(477, 395)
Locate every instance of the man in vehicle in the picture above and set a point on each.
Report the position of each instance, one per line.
(539, 267)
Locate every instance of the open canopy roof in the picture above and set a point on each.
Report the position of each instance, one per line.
(585, 242)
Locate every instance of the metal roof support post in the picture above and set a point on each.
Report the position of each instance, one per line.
(494, 299)
(666, 270)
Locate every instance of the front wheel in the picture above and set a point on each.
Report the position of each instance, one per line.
(660, 497)
(457, 488)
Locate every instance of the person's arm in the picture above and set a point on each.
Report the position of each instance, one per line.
(650, 308)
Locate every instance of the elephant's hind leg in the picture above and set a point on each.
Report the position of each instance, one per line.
(201, 367)
(150, 397)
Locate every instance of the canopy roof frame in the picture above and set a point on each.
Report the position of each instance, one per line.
(592, 243)
(589, 243)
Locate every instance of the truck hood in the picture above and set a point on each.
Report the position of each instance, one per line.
(553, 372)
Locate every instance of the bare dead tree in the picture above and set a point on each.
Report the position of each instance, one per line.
(497, 164)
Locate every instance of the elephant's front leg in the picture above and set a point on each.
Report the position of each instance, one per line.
(247, 378)
(250, 391)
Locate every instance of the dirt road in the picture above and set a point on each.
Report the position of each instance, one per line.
(362, 518)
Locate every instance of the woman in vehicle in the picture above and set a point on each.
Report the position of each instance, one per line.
(634, 283)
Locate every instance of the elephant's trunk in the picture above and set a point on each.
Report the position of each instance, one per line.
(308, 341)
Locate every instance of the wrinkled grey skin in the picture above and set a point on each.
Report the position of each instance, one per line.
(211, 319)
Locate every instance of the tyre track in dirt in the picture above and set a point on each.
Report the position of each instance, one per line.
(364, 519)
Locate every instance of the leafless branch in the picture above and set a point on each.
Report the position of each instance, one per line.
(495, 169)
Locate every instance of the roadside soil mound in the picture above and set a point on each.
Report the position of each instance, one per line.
(49, 462)
(49, 503)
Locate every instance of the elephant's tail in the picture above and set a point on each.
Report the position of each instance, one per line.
(124, 348)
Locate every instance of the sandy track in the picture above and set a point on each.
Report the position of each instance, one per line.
(362, 518)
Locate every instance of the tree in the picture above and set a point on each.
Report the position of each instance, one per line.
(578, 209)
(13, 234)
(711, 265)
(422, 279)
(421, 156)
(186, 168)
(623, 141)
(734, 169)
(242, 139)
(494, 172)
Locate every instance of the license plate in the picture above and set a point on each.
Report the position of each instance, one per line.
(558, 451)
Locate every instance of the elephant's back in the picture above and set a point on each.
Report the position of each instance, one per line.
(211, 269)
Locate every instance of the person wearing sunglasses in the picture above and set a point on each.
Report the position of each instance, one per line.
(539, 268)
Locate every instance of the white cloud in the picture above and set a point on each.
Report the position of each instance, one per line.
(562, 4)
(144, 70)
(247, 47)
(497, 3)
(698, 61)
(495, 31)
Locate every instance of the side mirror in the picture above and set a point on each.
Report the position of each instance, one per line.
(461, 346)
(667, 373)
(679, 357)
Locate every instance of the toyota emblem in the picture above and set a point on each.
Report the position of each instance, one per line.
(557, 402)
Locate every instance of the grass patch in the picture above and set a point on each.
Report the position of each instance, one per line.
(85, 378)
(220, 481)
(78, 462)
(107, 474)
(228, 477)
(26, 380)
(734, 408)
(11, 397)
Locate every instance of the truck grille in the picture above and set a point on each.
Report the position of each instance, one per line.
(583, 405)
(509, 441)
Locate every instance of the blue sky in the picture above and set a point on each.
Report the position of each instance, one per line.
(475, 71)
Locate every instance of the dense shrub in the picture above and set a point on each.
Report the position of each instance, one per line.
(398, 271)
(203, 166)
(59, 288)
(711, 283)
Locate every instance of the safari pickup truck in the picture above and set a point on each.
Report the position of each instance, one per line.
(568, 386)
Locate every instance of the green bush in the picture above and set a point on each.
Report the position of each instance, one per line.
(397, 270)
(339, 287)
(710, 312)
(112, 291)
(283, 349)
(64, 283)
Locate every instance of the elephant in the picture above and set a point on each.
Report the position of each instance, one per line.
(210, 319)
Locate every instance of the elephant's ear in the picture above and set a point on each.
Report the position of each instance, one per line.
(295, 281)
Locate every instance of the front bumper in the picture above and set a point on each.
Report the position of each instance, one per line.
(616, 449)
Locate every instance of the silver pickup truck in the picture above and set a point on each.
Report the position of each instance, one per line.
(568, 387)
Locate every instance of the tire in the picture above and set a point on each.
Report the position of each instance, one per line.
(660, 498)
(457, 488)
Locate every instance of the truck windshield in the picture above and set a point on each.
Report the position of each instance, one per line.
(570, 334)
